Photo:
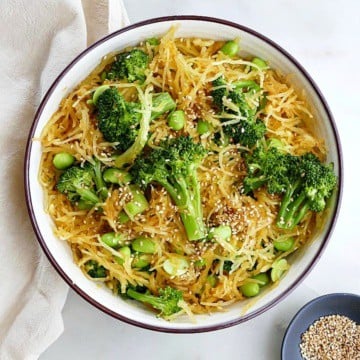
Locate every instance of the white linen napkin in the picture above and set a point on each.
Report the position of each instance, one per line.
(37, 40)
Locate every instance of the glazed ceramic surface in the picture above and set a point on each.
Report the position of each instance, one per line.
(332, 304)
(58, 251)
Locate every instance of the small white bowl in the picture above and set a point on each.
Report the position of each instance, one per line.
(59, 252)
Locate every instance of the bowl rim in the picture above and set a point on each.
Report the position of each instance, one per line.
(160, 328)
(309, 304)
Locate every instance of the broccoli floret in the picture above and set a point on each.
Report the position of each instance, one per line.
(78, 185)
(270, 166)
(231, 102)
(118, 120)
(314, 186)
(167, 302)
(84, 185)
(123, 123)
(227, 265)
(130, 65)
(303, 181)
(245, 132)
(173, 165)
(220, 90)
(95, 270)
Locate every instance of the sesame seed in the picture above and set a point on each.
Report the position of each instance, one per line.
(331, 337)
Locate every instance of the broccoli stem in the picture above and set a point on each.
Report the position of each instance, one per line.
(150, 299)
(187, 199)
(99, 181)
(292, 212)
(87, 195)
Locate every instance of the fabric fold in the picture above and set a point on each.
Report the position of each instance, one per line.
(38, 39)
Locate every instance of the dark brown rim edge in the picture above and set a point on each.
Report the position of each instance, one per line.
(249, 316)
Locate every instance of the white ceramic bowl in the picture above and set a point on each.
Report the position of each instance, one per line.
(59, 252)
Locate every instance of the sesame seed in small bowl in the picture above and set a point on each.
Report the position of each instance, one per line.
(327, 327)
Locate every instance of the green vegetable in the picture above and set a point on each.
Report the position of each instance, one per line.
(200, 263)
(96, 171)
(129, 65)
(161, 104)
(98, 92)
(246, 84)
(262, 64)
(227, 265)
(167, 302)
(95, 270)
(141, 261)
(303, 181)
(84, 205)
(262, 278)
(176, 265)
(203, 127)
(122, 122)
(222, 232)
(118, 120)
(212, 280)
(153, 41)
(78, 184)
(176, 120)
(116, 176)
(230, 48)
(123, 217)
(125, 253)
(83, 185)
(250, 289)
(63, 160)
(278, 268)
(138, 204)
(103, 76)
(173, 165)
(284, 244)
(144, 245)
(232, 102)
(112, 239)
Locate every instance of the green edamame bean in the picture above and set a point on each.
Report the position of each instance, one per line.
(144, 245)
(250, 289)
(260, 63)
(212, 280)
(176, 120)
(125, 253)
(123, 217)
(230, 48)
(284, 245)
(200, 263)
(203, 127)
(116, 176)
(278, 268)
(176, 265)
(262, 278)
(222, 232)
(113, 239)
(138, 204)
(141, 261)
(63, 160)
